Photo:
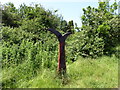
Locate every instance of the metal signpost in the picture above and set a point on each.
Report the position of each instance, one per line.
(61, 57)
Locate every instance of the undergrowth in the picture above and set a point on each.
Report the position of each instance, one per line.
(83, 73)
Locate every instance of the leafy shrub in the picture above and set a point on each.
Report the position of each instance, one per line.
(101, 25)
(85, 46)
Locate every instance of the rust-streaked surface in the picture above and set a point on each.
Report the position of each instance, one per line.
(61, 55)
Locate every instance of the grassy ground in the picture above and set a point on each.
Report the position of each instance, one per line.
(84, 73)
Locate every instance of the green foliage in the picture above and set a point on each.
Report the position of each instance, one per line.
(10, 15)
(103, 29)
(37, 53)
(36, 14)
(67, 27)
(115, 29)
(99, 23)
(30, 52)
(30, 42)
(85, 45)
(84, 73)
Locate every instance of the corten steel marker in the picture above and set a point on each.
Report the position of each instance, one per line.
(61, 56)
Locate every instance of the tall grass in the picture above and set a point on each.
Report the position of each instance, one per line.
(84, 73)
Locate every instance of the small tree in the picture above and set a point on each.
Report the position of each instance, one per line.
(96, 22)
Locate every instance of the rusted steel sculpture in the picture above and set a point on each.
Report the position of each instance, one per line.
(61, 57)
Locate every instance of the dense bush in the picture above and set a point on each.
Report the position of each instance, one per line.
(87, 46)
(26, 37)
(29, 41)
(101, 23)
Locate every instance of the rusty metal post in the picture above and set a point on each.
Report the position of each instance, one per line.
(61, 57)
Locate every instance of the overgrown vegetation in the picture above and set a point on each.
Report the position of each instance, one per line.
(84, 73)
(29, 51)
